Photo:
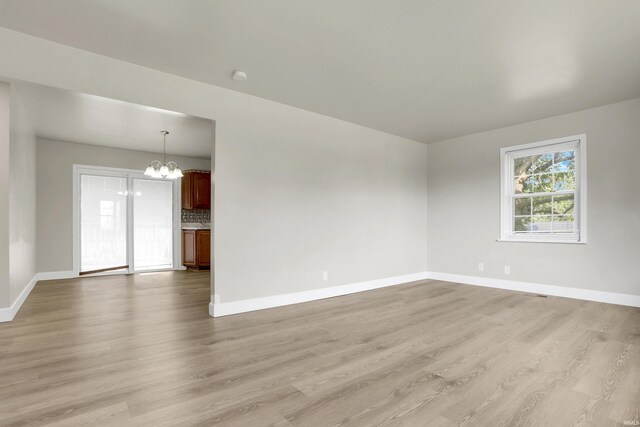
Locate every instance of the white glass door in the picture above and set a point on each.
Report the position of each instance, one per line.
(152, 224)
(103, 223)
(126, 222)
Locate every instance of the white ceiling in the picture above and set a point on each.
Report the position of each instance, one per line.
(426, 70)
(68, 116)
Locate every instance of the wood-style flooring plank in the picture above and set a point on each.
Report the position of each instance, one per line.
(142, 350)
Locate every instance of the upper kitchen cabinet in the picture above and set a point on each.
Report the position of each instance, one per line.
(196, 190)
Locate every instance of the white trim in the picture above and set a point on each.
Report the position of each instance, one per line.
(218, 309)
(7, 314)
(537, 288)
(572, 242)
(75, 232)
(56, 275)
(506, 191)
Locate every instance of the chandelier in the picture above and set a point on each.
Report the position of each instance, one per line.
(162, 169)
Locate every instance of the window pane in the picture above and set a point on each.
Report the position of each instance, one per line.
(526, 185)
(522, 168)
(541, 223)
(563, 204)
(543, 183)
(542, 205)
(521, 223)
(543, 163)
(564, 161)
(523, 165)
(522, 206)
(518, 184)
(563, 224)
(564, 181)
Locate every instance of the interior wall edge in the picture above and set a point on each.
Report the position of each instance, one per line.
(22, 196)
(7, 314)
(5, 113)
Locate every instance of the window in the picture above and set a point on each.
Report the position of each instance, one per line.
(544, 191)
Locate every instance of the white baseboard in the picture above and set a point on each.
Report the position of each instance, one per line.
(218, 309)
(537, 288)
(56, 275)
(7, 314)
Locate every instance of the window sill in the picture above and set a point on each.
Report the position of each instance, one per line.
(569, 242)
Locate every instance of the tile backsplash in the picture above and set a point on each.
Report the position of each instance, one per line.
(196, 215)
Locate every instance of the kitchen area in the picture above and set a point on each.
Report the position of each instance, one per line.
(122, 188)
(196, 219)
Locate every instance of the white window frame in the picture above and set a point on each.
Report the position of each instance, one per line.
(507, 154)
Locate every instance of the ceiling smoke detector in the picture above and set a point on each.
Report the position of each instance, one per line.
(239, 76)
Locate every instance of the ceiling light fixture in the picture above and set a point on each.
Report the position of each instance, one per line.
(162, 169)
(239, 76)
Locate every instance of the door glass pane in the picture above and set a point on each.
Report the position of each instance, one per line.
(103, 222)
(152, 224)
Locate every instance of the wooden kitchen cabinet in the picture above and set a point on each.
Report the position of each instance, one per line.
(196, 190)
(196, 248)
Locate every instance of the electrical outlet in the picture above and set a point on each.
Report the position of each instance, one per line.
(507, 270)
(481, 266)
(325, 275)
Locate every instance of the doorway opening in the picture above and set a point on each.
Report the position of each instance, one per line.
(98, 213)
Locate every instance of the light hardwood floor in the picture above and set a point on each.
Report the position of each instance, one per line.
(142, 350)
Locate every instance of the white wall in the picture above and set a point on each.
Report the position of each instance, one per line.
(17, 200)
(22, 198)
(54, 189)
(318, 196)
(297, 193)
(464, 205)
(5, 117)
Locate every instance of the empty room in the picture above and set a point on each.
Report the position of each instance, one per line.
(320, 213)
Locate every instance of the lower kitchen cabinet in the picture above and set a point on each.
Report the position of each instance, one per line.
(196, 248)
